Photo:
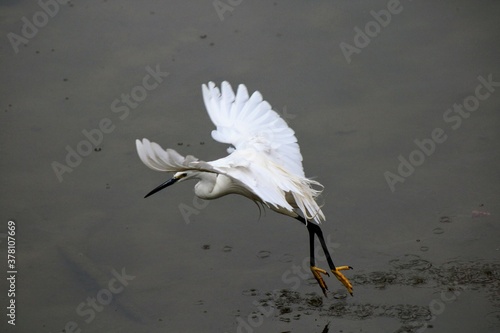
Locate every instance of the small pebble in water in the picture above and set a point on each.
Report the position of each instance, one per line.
(263, 254)
(445, 219)
(438, 231)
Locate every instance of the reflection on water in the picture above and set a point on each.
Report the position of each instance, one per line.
(108, 288)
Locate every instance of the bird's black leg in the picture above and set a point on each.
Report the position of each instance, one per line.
(315, 229)
(319, 233)
(312, 260)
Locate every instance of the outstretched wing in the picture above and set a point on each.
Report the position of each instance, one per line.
(267, 156)
(249, 122)
(159, 159)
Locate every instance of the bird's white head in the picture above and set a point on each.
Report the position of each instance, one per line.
(178, 177)
(185, 175)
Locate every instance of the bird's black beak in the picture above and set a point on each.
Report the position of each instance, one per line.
(162, 186)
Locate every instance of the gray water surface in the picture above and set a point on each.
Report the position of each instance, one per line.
(368, 87)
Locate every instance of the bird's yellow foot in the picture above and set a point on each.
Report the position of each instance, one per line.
(317, 275)
(342, 278)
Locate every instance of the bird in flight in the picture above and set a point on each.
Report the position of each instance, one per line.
(264, 164)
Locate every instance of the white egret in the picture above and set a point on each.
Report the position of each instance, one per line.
(264, 164)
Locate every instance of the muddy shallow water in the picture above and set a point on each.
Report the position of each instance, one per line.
(396, 111)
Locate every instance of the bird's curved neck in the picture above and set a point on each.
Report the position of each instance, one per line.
(206, 185)
(213, 185)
